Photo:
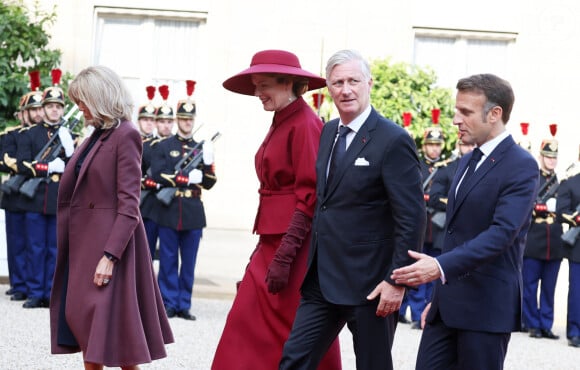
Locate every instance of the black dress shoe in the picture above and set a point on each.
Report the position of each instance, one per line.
(33, 303)
(524, 329)
(403, 320)
(574, 342)
(170, 312)
(548, 334)
(535, 333)
(186, 315)
(10, 291)
(18, 296)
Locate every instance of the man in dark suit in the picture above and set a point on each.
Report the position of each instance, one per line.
(370, 209)
(477, 300)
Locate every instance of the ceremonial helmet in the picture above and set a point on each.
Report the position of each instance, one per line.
(434, 133)
(164, 111)
(524, 142)
(54, 93)
(148, 110)
(549, 147)
(186, 108)
(33, 99)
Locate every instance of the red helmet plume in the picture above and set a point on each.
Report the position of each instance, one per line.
(34, 80)
(164, 91)
(435, 112)
(407, 117)
(150, 92)
(524, 126)
(190, 86)
(553, 129)
(317, 100)
(56, 74)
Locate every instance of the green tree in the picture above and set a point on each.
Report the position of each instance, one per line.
(400, 87)
(23, 48)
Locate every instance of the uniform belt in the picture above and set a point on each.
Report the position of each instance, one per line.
(188, 193)
(544, 220)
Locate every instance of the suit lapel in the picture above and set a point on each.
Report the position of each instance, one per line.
(326, 144)
(493, 159)
(361, 139)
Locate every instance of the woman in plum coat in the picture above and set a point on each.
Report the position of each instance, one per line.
(265, 305)
(105, 300)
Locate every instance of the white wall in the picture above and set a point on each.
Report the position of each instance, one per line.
(544, 64)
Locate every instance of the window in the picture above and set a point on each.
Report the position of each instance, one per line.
(454, 54)
(163, 47)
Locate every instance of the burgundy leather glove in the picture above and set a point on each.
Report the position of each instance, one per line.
(279, 269)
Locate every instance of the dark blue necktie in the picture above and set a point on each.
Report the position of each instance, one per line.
(473, 161)
(337, 152)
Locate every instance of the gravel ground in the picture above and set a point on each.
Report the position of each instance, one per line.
(25, 342)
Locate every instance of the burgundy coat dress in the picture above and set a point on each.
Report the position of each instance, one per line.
(259, 323)
(123, 323)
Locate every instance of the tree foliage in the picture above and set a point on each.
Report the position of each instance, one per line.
(23, 48)
(399, 88)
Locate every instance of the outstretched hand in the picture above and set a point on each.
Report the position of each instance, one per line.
(423, 271)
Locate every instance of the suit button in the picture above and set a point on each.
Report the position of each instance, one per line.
(449, 231)
(91, 205)
(323, 208)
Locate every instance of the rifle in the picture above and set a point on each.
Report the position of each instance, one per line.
(13, 184)
(166, 194)
(146, 191)
(570, 236)
(29, 187)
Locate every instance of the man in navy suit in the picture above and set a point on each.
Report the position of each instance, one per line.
(477, 300)
(370, 210)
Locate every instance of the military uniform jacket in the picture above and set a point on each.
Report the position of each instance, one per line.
(568, 200)
(8, 152)
(185, 212)
(438, 197)
(30, 143)
(149, 202)
(431, 231)
(544, 237)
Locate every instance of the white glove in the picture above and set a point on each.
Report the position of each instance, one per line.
(195, 176)
(551, 204)
(67, 141)
(57, 165)
(207, 153)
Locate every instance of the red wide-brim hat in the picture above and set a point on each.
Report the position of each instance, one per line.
(271, 61)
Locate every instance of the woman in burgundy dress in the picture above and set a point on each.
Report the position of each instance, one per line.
(263, 311)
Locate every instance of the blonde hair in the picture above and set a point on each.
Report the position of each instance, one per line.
(104, 94)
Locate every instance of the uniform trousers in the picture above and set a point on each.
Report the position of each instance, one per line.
(41, 254)
(543, 274)
(152, 231)
(573, 316)
(177, 257)
(16, 250)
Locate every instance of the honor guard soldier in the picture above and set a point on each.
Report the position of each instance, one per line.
(433, 141)
(568, 210)
(182, 217)
(147, 121)
(544, 250)
(43, 166)
(11, 204)
(439, 191)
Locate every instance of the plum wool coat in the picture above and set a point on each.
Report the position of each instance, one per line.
(123, 323)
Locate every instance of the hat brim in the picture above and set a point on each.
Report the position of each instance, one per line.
(241, 83)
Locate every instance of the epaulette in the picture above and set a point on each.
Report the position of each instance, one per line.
(22, 129)
(158, 140)
(445, 162)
